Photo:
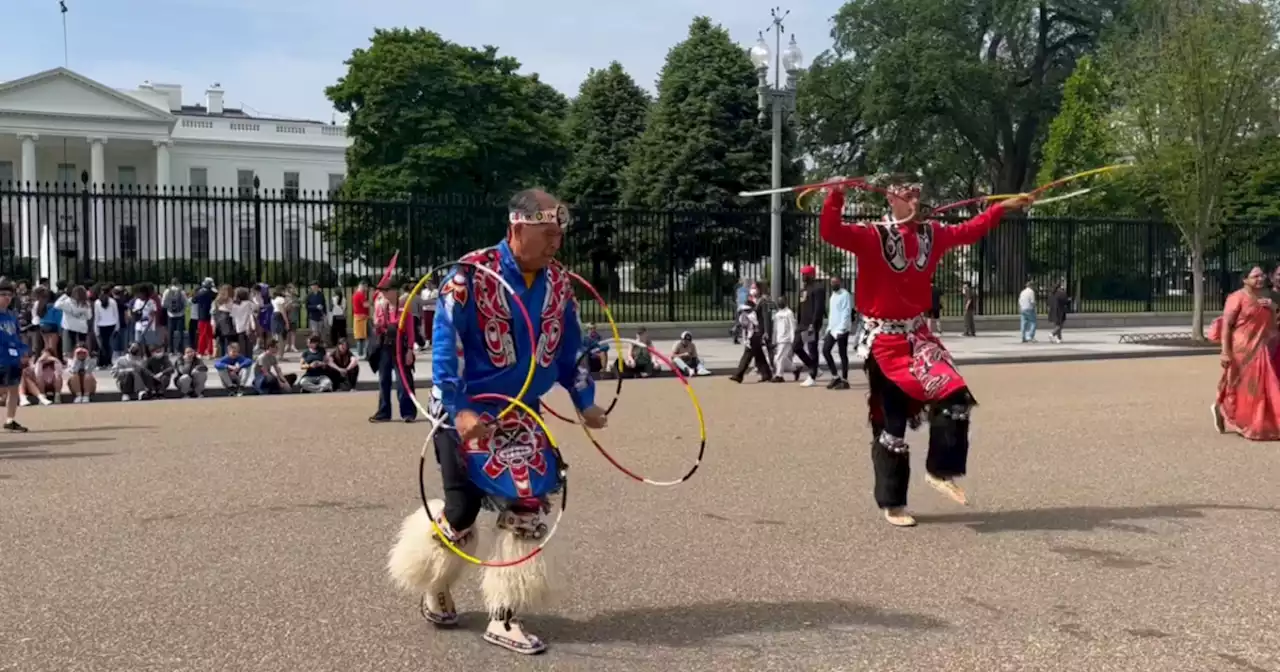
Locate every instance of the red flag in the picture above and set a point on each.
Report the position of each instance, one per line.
(385, 282)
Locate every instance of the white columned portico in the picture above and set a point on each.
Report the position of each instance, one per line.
(97, 179)
(28, 183)
(163, 234)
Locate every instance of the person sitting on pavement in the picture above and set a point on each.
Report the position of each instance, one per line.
(80, 378)
(157, 373)
(191, 372)
(127, 372)
(233, 370)
(685, 356)
(267, 376)
(315, 368)
(46, 378)
(639, 361)
(595, 349)
(344, 367)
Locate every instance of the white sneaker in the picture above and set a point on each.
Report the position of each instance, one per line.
(124, 397)
(44, 401)
(511, 636)
(808, 382)
(24, 400)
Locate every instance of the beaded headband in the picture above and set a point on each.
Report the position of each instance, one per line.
(558, 215)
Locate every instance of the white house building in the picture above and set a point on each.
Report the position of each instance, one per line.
(57, 124)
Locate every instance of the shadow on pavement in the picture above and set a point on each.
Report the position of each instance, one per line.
(45, 455)
(696, 624)
(21, 444)
(1079, 518)
(103, 428)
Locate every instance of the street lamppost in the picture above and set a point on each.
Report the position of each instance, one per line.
(778, 98)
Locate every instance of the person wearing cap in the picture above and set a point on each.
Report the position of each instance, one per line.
(13, 354)
(910, 372)
(203, 302)
(481, 344)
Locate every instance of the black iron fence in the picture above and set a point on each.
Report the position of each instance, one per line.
(653, 266)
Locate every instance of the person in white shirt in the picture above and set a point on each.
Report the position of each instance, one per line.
(244, 316)
(106, 317)
(839, 325)
(784, 333)
(430, 296)
(143, 310)
(76, 313)
(1027, 313)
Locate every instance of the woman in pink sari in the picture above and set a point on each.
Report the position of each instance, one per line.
(1249, 391)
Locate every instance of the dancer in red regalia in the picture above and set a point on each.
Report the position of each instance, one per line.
(907, 367)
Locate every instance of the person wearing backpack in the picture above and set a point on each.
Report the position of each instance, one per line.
(174, 302)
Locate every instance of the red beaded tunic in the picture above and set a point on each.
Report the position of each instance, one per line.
(894, 290)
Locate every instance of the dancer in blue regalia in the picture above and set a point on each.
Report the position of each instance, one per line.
(480, 345)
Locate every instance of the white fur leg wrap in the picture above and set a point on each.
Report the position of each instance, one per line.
(418, 563)
(519, 588)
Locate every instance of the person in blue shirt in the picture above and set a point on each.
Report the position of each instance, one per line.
(13, 351)
(233, 370)
(839, 325)
(480, 345)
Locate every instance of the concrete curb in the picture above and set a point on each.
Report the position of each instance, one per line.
(1154, 352)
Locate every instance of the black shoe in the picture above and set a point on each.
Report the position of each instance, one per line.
(377, 419)
(795, 376)
(13, 426)
(735, 379)
(409, 420)
(842, 384)
(778, 379)
(833, 384)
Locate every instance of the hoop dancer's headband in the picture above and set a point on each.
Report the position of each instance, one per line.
(558, 215)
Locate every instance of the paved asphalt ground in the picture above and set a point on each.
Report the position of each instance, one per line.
(1111, 529)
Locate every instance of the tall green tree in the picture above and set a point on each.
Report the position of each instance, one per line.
(439, 122)
(1197, 83)
(704, 142)
(605, 121)
(934, 84)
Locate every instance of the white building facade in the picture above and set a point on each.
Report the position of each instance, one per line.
(166, 180)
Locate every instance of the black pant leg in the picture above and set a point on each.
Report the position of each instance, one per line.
(892, 466)
(462, 499)
(761, 357)
(949, 435)
(802, 351)
(743, 363)
(843, 343)
(829, 342)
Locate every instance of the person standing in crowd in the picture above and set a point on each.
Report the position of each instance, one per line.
(315, 368)
(20, 306)
(143, 310)
(413, 303)
(76, 314)
(266, 311)
(1248, 401)
(202, 303)
(754, 325)
(784, 333)
(344, 366)
(80, 379)
(317, 311)
(386, 326)
(49, 318)
(684, 354)
(1059, 306)
(935, 307)
(233, 368)
(360, 317)
(430, 296)
(1027, 312)
(13, 353)
(244, 316)
(106, 317)
(840, 324)
(224, 325)
(337, 318)
(293, 310)
(280, 326)
(813, 311)
(191, 374)
(174, 302)
(970, 302)
(124, 325)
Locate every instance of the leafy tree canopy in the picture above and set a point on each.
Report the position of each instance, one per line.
(604, 122)
(429, 119)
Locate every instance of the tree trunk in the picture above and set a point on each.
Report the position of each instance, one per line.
(1197, 291)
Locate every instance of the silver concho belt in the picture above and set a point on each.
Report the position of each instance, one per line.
(873, 326)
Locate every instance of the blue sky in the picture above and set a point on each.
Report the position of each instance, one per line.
(277, 57)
